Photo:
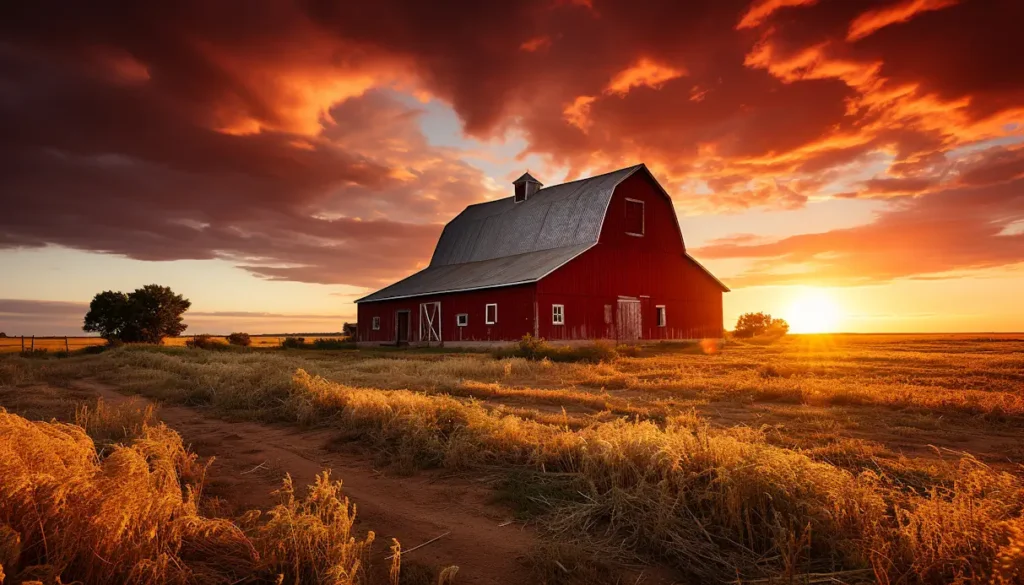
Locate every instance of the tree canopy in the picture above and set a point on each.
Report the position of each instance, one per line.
(145, 315)
(754, 324)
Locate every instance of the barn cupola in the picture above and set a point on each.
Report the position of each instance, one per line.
(525, 187)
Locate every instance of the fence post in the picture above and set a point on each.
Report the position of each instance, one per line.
(67, 347)
(22, 343)
(33, 348)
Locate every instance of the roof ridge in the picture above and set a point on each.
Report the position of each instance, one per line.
(629, 168)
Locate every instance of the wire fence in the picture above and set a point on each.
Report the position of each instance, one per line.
(32, 343)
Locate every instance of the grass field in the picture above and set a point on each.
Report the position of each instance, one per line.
(56, 344)
(854, 458)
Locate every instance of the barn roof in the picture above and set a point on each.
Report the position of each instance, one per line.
(503, 243)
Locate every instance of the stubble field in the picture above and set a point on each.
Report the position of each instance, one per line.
(59, 344)
(840, 459)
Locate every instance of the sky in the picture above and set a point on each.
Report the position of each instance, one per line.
(274, 160)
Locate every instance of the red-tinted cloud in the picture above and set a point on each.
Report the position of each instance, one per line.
(273, 134)
(969, 223)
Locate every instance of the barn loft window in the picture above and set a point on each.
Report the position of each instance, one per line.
(376, 323)
(634, 217)
(491, 313)
(558, 314)
(662, 320)
(462, 319)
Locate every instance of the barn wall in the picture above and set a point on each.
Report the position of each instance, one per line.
(653, 269)
(515, 315)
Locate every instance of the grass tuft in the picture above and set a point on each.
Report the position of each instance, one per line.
(66, 515)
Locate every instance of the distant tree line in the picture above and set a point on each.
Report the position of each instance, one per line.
(759, 324)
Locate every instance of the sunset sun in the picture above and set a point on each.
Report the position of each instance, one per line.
(813, 311)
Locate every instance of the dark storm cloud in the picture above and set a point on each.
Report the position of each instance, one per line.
(270, 134)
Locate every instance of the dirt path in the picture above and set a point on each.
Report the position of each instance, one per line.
(252, 458)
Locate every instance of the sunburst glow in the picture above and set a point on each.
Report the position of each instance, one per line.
(813, 311)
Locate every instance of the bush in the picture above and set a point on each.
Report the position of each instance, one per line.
(756, 324)
(241, 339)
(205, 341)
(628, 350)
(293, 342)
(535, 348)
(39, 352)
(331, 343)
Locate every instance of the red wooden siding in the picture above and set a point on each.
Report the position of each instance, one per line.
(515, 315)
(652, 268)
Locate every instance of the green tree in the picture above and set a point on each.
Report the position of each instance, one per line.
(145, 315)
(754, 324)
(108, 315)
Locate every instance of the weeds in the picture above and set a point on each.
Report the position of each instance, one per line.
(535, 348)
(205, 341)
(132, 517)
(107, 424)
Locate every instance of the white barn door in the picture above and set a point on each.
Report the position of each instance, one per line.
(430, 322)
(627, 322)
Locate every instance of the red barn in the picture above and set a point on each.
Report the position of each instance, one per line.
(598, 258)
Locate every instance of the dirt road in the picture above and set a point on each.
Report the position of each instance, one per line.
(252, 458)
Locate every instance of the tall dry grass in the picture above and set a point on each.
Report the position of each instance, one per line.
(714, 504)
(132, 517)
(717, 504)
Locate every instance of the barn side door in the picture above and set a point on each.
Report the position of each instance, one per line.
(430, 322)
(627, 321)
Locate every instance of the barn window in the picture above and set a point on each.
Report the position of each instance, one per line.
(662, 320)
(558, 314)
(634, 217)
(491, 313)
(462, 319)
(376, 323)
(607, 314)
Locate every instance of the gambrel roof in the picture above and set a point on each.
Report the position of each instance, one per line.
(504, 242)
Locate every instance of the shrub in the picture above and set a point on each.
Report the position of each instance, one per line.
(624, 350)
(535, 348)
(293, 342)
(754, 324)
(39, 352)
(205, 341)
(331, 343)
(241, 339)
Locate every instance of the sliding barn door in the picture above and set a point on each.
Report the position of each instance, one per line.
(430, 322)
(627, 322)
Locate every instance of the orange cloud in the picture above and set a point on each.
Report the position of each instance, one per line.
(872, 20)
(644, 72)
(760, 10)
(536, 44)
(578, 112)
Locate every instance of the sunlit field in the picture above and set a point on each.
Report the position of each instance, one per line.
(816, 458)
(57, 344)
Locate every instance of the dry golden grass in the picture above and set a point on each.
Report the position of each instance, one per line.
(49, 344)
(754, 461)
(69, 515)
(57, 344)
